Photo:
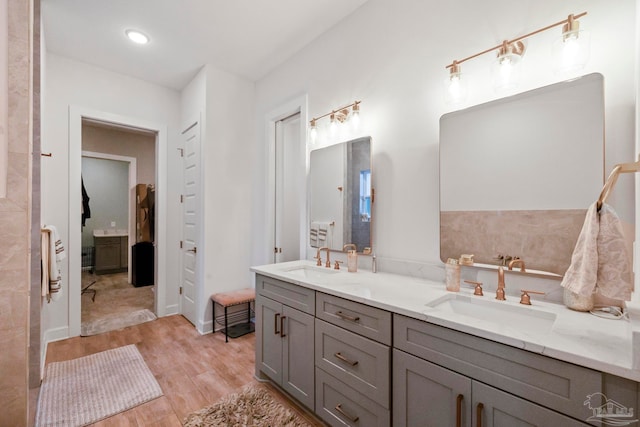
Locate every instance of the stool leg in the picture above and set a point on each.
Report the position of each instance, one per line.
(226, 336)
(249, 312)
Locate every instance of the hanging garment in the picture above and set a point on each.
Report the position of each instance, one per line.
(86, 211)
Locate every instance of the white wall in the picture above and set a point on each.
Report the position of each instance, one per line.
(392, 56)
(72, 83)
(225, 104)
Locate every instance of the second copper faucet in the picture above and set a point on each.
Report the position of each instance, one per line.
(517, 261)
(500, 291)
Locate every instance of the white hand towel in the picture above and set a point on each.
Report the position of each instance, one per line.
(313, 234)
(600, 262)
(55, 255)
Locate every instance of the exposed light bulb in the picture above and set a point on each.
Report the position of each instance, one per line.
(333, 125)
(506, 69)
(572, 49)
(313, 131)
(456, 86)
(355, 116)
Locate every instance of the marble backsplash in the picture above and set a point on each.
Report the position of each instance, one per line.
(544, 239)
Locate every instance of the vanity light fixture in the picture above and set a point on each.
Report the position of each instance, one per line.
(570, 53)
(456, 85)
(571, 50)
(137, 36)
(337, 118)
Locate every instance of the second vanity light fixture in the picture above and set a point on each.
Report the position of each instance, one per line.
(570, 52)
(339, 117)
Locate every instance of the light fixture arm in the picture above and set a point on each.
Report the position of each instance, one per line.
(355, 106)
(569, 20)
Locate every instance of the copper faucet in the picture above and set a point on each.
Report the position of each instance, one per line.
(517, 261)
(500, 291)
(319, 262)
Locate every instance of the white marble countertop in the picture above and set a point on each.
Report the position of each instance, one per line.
(581, 338)
(110, 233)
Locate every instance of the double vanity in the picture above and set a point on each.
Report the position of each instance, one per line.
(364, 349)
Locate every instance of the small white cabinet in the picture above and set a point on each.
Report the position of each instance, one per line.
(285, 340)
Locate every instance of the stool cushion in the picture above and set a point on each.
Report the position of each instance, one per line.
(226, 299)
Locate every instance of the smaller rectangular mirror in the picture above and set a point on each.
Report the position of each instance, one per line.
(340, 195)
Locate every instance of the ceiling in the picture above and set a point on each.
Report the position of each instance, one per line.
(245, 37)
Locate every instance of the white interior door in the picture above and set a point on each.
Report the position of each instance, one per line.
(289, 183)
(190, 221)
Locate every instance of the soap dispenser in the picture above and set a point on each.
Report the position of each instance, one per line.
(352, 261)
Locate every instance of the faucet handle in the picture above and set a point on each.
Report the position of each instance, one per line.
(478, 287)
(336, 265)
(319, 262)
(525, 298)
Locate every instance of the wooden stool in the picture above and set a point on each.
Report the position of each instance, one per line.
(229, 299)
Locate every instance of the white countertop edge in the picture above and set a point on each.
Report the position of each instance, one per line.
(622, 368)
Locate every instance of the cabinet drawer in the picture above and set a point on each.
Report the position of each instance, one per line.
(552, 383)
(359, 362)
(107, 240)
(362, 319)
(289, 294)
(340, 405)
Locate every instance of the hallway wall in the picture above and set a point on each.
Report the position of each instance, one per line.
(70, 83)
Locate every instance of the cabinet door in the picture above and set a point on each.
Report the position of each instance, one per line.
(297, 360)
(425, 394)
(269, 341)
(107, 256)
(500, 409)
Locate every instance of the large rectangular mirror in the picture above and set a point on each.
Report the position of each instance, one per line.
(518, 174)
(340, 195)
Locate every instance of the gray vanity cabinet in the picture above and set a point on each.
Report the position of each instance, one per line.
(111, 254)
(430, 395)
(353, 363)
(536, 390)
(285, 338)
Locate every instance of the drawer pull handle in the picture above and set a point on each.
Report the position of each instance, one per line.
(459, 410)
(344, 414)
(479, 414)
(345, 360)
(282, 334)
(275, 323)
(346, 317)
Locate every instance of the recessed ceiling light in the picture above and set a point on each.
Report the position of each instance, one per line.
(137, 37)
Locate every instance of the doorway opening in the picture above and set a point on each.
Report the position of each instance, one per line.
(118, 189)
(77, 117)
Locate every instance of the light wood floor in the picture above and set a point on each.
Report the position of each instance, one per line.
(193, 370)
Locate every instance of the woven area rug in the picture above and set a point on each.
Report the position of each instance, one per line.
(253, 406)
(85, 390)
(116, 321)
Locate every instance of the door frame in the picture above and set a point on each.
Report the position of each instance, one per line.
(133, 177)
(76, 114)
(296, 105)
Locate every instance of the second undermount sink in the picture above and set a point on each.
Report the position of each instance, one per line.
(523, 317)
(310, 272)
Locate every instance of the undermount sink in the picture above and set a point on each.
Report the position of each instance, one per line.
(310, 272)
(522, 317)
